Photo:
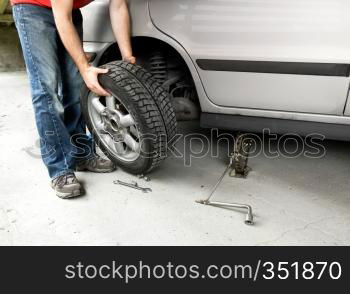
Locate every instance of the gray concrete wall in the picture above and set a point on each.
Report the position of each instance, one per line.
(10, 51)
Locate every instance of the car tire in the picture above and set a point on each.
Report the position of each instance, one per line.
(160, 95)
(135, 125)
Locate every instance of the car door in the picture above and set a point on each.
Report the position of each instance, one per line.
(286, 55)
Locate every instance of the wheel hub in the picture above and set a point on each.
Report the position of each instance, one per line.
(111, 125)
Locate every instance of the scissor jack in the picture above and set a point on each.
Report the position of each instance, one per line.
(239, 168)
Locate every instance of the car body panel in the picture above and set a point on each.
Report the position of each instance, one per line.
(308, 94)
(269, 30)
(97, 25)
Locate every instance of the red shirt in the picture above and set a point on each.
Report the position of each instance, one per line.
(47, 3)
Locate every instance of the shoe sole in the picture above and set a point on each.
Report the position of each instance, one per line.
(73, 194)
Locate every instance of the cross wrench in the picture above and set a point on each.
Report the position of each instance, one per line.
(133, 185)
(249, 216)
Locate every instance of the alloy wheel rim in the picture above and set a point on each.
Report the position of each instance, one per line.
(115, 126)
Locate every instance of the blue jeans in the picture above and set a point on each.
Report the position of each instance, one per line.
(55, 85)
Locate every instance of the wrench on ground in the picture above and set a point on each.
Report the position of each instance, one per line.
(133, 185)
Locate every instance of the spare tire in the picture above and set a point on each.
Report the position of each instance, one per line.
(135, 125)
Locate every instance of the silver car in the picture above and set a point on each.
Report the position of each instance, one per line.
(239, 65)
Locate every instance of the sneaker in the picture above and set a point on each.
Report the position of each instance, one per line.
(66, 186)
(96, 165)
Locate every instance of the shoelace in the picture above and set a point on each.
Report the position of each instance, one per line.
(65, 179)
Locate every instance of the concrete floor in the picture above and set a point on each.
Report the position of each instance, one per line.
(296, 201)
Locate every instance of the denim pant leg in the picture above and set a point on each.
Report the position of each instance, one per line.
(39, 41)
(71, 89)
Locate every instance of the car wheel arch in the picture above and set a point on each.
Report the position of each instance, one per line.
(112, 53)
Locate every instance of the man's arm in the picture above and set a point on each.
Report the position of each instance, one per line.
(120, 20)
(62, 10)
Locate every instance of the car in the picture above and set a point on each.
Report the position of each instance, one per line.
(237, 65)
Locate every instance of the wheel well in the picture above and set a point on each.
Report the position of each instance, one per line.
(142, 46)
(168, 67)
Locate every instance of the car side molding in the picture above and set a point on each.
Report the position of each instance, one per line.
(293, 68)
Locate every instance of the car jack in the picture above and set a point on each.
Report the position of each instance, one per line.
(240, 156)
(239, 168)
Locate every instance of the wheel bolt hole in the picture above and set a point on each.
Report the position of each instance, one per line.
(114, 125)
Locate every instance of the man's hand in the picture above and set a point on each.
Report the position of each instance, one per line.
(130, 59)
(89, 75)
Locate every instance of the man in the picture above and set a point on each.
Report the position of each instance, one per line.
(50, 33)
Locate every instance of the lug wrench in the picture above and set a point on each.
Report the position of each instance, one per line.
(133, 185)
